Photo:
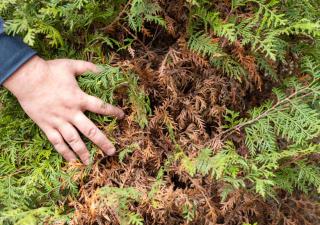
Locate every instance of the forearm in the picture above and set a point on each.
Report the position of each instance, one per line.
(13, 54)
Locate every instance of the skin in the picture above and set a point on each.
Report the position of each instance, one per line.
(49, 93)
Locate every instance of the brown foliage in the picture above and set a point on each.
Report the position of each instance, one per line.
(188, 97)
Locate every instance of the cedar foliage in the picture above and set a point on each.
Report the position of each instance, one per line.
(223, 123)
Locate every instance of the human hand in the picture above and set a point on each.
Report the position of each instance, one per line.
(49, 93)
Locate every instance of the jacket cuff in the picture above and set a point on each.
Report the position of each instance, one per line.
(13, 54)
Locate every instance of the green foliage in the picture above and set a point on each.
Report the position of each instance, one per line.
(31, 175)
(56, 23)
(203, 44)
(304, 26)
(310, 66)
(213, 20)
(156, 185)
(31, 178)
(302, 176)
(265, 33)
(188, 212)
(277, 138)
(111, 79)
(105, 84)
(297, 10)
(48, 25)
(291, 117)
(34, 216)
(118, 200)
(127, 150)
(230, 67)
(140, 103)
(135, 219)
(144, 10)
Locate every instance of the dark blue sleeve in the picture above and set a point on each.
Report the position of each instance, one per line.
(13, 54)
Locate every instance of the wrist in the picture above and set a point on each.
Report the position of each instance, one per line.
(20, 82)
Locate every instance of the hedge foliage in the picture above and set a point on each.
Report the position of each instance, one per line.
(223, 109)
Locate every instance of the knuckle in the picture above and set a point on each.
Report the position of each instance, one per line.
(82, 64)
(107, 107)
(82, 153)
(72, 139)
(83, 99)
(55, 140)
(63, 152)
(71, 158)
(77, 116)
(77, 95)
(79, 151)
(68, 64)
(71, 99)
(87, 64)
(92, 132)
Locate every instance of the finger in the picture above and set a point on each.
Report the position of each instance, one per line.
(71, 136)
(79, 67)
(58, 143)
(96, 105)
(89, 129)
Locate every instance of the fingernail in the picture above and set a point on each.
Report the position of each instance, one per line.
(111, 151)
(87, 162)
(122, 114)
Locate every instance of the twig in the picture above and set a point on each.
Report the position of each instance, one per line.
(164, 62)
(118, 17)
(229, 131)
(135, 37)
(203, 192)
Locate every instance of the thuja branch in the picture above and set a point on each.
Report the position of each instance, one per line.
(279, 106)
(118, 18)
